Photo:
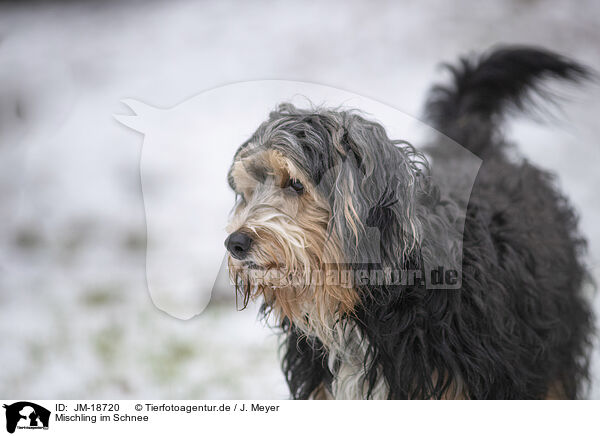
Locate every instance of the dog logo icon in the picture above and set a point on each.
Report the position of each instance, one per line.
(26, 415)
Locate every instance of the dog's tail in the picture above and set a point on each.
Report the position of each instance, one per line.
(470, 110)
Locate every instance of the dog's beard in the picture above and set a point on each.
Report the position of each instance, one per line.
(291, 275)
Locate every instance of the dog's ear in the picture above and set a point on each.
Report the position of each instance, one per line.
(386, 209)
(373, 195)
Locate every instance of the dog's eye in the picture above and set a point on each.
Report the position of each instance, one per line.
(297, 186)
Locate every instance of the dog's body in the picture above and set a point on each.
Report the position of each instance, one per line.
(312, 182)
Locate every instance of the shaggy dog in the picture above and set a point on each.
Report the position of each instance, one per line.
(324, 195)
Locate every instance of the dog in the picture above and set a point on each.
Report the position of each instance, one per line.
(313, 184)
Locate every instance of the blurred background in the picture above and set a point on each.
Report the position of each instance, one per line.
(76, 320)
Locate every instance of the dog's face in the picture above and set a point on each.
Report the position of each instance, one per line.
(280, 243)
(279, 220)
(309, 186)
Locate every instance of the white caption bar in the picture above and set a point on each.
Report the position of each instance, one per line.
(141, 417)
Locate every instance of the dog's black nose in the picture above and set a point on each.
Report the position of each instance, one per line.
(238, 245)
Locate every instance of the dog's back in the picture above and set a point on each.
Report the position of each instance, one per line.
(522, 268)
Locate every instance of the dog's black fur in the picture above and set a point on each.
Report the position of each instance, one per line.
(519, 328)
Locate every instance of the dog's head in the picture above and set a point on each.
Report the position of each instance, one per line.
(319, 192)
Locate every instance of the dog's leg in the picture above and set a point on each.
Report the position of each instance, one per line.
(321, 393)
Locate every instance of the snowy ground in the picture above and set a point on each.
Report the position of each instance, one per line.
(75, 316)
